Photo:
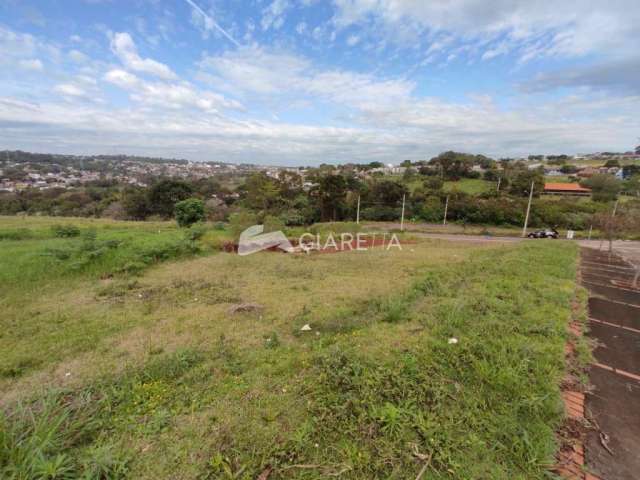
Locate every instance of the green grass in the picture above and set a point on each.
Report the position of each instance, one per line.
(472, 186)
(151, 376)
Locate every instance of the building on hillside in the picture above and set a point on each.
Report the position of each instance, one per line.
(566, 189)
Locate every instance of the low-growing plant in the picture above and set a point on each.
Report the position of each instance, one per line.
(65, 231)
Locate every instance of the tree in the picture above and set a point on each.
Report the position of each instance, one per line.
(331, 193)
(625, 221)
(604, 187)
(433, 183)
(289, 184)
(135, 204)
(638, 150)
(388, 192)
(612, 163)
(520, 184)
(630, 170)
(453, 165)
(261, 192)
(189, 211)
(568, 168)
(164, 195)
(632, 186)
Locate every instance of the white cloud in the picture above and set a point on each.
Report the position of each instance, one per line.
(17, 46)
(273, 15)
(125, 49)
(70, 90)
(271, 75)
(78, 57)
(122, 78)
(409, 130)
(34, 65)
(353, 40)
(577, 27)
(172, 96)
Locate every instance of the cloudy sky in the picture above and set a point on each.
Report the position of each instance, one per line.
(293, 82)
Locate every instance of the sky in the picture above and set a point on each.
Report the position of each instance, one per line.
(304, 82)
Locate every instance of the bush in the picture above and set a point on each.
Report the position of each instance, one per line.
(189, 211)
(195, 232)
(65, 231)
(242, 220)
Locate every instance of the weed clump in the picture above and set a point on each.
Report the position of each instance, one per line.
(65, 231)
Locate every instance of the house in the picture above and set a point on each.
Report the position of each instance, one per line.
(566, 189)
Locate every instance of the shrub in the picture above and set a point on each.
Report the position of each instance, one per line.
(195, 232)
(189, 211)
(65, 231)
(242, 220)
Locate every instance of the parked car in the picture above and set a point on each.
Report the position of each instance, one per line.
(548, 233)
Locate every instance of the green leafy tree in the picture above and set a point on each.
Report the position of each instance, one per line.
(453, 165)
(433, 183)
(135, 203)
(612, 163)
(520, 183)
(289, 184)
(261, 193)
(331, 194)
(164, 195)
(388, 192)
(604, 188)
(632, 186)
(189, 211)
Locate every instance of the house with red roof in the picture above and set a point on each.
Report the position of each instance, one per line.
(566, 189)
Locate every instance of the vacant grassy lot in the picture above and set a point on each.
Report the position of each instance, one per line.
(149, 372)
(472, 186)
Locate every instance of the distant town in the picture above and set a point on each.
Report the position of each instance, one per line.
(23, 170)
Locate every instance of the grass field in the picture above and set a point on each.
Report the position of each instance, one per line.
(148, 372)
(472, 186)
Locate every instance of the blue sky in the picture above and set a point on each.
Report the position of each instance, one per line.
(301, 82)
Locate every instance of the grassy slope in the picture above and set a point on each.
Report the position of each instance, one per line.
(472, 186)
(43, 280)
(372, 392)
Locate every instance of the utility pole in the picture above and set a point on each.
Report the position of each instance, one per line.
(402, 218)
(499, 181)
(446, 208)
(526, 218)
(590, 231)
(358, 211)
(615, 209)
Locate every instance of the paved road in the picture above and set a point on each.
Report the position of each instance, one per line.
(614, 321)
(467, 238)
